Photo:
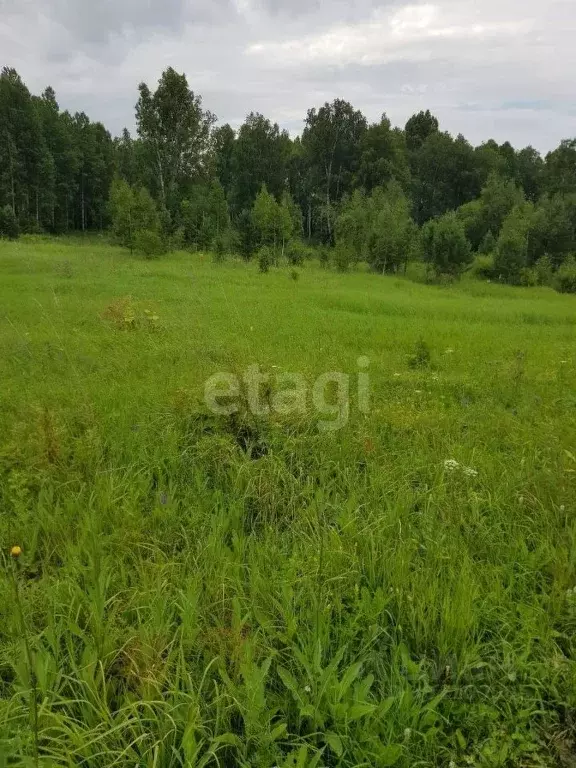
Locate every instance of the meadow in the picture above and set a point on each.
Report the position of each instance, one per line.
(201, 590)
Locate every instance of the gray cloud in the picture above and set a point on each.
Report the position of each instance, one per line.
(501, 69)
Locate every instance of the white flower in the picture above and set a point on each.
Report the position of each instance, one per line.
(449, 351)
(562, 508)
(469, 472)
(451, 465)
(307, 689)
(397, 374)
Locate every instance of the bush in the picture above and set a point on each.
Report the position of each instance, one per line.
(224, 243)
(149, 243)
(483, 267)
(8, 223)
(488, 245)
(265, 258)
(565, 281)
(444, 245)
(296, 252)
(219, 248)
(324, 256)
(544, 270)
(343, 257)
(177, 239)
(528, 277)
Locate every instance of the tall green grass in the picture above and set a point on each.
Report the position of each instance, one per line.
(194, 596)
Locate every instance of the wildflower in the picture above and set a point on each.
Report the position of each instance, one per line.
(449, 351)
(307, 689)
(469, 472)
(15, 552)
(451, 465)
(407, 733)
(397, 374)
(562, 508)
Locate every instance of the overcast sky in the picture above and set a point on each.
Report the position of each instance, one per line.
(486, 68)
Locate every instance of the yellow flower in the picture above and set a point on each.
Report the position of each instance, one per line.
(15, 552)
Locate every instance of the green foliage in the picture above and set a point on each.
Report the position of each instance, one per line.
(392, 231)
(224, 244)
(444, 245)
(488, 245)
(204, 214)
(418, 128)
(176, 130)
(483, 267)
(148, 242)
(9, 226)
(132, 211)
(296, 252)
(565, 279)
(265, 259)
(343, 257)
(511, 254)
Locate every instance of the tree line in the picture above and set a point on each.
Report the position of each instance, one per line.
(366, 191)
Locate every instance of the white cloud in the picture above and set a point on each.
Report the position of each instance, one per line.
(406, 34)
(496, 68)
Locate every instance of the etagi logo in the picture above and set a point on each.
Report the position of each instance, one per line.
(262, 393)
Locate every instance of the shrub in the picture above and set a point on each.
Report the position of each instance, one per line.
(544, 270)
(8, 223)
(343, 257)
(265, 258)
(483, 267)
(296, 252)
(444, 245)
(324, 256)
(219, 248)
(488, 244)
(149, 243)
(565, 281)
(511, 254)
(528, 277)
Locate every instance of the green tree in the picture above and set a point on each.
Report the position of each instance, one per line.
(419, 128)
(392, 229)
(560, 170)
(383, 157)
(511, 255)
(260, 156)
(444, 245)
(8, 223)
(267, 218)
(332, 140)
(177, 129)
(444, 175)
(132, 211)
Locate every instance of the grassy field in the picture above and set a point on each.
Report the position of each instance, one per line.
(254, 591)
